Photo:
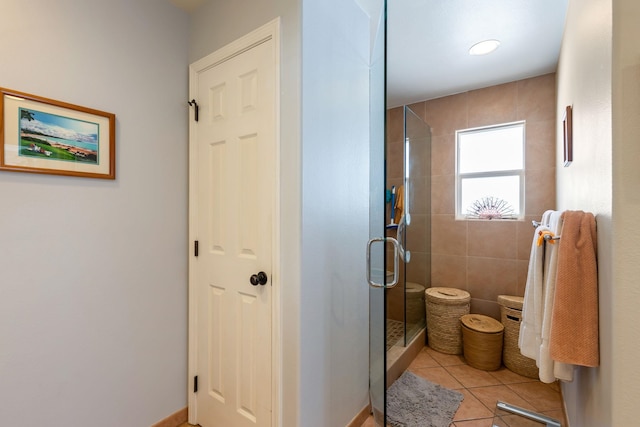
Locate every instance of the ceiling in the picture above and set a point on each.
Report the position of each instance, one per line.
(428, 43)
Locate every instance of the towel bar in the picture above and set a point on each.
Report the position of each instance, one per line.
(534, 416)
(537, 224)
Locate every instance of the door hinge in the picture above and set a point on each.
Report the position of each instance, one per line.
(195, 248)
(195, 384)
(193, 103)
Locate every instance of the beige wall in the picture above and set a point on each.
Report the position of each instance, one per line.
(599, 75)
(626, 206)
(486, 258)
(584, 81)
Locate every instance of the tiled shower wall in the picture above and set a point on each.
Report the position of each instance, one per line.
(486, 258)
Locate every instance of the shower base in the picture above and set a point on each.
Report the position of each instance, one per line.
(399, 357)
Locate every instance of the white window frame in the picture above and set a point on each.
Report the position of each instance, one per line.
(459, 215)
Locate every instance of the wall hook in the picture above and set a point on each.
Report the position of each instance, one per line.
(193, 103)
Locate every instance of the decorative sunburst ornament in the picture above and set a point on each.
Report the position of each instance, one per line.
(490, 208)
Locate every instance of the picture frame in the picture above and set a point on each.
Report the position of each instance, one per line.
(41, 135)
(567, 125)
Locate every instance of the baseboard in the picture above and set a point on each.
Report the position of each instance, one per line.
(565, 416)
(173, 420)
(362, 416)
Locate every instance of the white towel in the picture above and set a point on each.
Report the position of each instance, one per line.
(530, 336)
(550, 370)
(531, 325)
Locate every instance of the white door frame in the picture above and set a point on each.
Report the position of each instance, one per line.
(271, 30)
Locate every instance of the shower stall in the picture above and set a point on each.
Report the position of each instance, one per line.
(408, 219)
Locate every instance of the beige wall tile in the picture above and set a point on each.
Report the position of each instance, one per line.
(448, 236)
(492, 105)
(395, 160)
(486, 307)
(420, 153)
(492, 239)
(446, 115)
(449, 271)
(540, 149)
(523, 268)
(419, 108)
(442, 195)
(537, 98)
(395, 124)
(489, 277)
(540, 191)
(460, 248)
(524, 237)
(443, 155)
(420, 195)
(418, 270)
(418, 234)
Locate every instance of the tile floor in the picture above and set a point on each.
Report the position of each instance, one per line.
(482, 389)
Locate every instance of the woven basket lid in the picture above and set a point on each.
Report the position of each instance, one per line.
(511, 301)
(482, 323)
(447, 295)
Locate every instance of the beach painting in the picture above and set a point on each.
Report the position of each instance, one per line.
(42, 135)
(57, 137)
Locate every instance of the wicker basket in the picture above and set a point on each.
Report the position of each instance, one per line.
(444, 308)
(482, 341)
(414, 303)
(511, 316)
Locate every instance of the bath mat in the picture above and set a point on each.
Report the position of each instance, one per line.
(415, 402)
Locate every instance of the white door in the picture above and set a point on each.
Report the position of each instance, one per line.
(233, 182)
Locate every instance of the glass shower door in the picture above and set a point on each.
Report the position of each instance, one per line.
(415, 235)
(376, 253)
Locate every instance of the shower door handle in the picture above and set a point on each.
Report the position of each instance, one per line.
(396, 259)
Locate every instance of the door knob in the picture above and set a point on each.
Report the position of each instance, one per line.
(258, 279)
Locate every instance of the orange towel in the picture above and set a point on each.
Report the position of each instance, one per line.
(399, 205)
(574, 322)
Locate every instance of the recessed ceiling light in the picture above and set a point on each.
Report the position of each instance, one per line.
(484, 47)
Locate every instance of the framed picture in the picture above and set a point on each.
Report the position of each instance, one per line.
(40, 135)
(568, 136)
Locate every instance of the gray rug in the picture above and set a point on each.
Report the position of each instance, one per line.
(415, 402)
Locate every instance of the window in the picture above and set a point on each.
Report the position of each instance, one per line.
(490, 172)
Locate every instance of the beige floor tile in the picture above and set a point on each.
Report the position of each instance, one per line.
(423, 360)
(515, 421)
(369, 422)
(490, 396)
(558, 414)
(472, 377)
(555, 386)
(505, 376)
(438, 375)
(482, 422)
(471, 408)
(539, 395)
(446, 359)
